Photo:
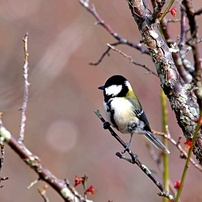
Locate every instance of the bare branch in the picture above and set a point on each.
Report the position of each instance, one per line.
(68, 193)
(198, 12)
(131, 60)
(26, 89)
(158, 5)
(106, 52)
(108, 28)
(193, 41)
(42, 192)
(2, 156)
(178, 54)
(183, 153)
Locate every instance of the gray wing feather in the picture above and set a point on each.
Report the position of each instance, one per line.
(156, 142)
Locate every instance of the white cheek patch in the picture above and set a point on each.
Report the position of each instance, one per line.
(113, 90)
(128, 84)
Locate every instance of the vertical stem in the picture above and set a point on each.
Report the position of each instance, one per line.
(186, 167)
(165, 142)
(167, 9)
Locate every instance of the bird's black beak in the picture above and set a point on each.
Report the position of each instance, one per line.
(101, 87)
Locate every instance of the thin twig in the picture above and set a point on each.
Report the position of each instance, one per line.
(106, 52)
(173, 20)
(2, 156)
(42, 192)
(198, 12)
(179, 147)
(158, 9)
(177, 56)
(190, 48)
(33, 183)
(131, 60)
(195, 48)
(26, 89)
(187, 69)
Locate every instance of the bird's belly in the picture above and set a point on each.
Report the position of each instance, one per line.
(124, 120)
(124, 115)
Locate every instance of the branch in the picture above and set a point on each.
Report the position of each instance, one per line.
(106, 52)
(2, 156)
(158, 9)
(198, 12)
(42, 192)
(134, 158)
(193, 42)
(183, 153)
(66, 191)
(108, 28)
(131, 60)
(26, 89)
(180, 95)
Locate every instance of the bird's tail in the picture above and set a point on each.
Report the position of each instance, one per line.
(156, 142)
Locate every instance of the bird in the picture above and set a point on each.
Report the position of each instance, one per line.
(124, 111)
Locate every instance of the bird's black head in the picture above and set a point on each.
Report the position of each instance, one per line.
(115, 86)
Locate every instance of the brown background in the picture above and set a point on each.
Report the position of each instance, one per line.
(61, 127)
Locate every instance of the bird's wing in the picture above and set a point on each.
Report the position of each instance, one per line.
(156, 142)
(143, 118)
(140, 112)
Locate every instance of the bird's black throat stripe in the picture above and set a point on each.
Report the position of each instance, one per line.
(111, 112)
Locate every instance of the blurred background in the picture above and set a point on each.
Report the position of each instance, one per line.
(61, 127)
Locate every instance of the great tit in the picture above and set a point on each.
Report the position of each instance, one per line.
(124, 111)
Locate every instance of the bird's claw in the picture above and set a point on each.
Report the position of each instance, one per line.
(106, 125)
(127, 147)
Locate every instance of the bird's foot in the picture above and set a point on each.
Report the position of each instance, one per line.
(106, 125)
(127, 147)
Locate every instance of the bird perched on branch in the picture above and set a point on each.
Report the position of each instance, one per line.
(124, 111)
